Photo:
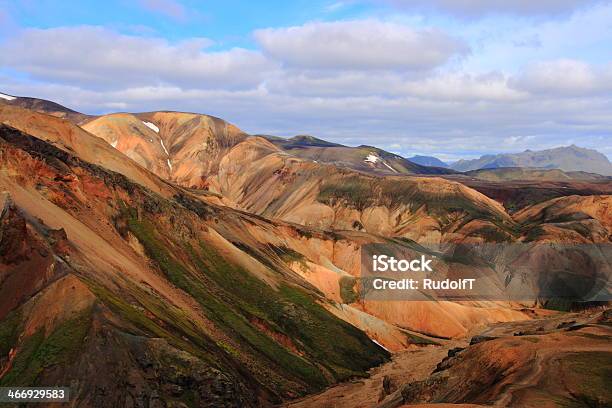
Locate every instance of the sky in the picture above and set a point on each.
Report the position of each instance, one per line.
(449, 78)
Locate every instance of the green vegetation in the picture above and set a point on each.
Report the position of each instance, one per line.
(419, 340)
(9, 332)
(221, 312)
(356, 191)
(534, 233)
(38, 353)
(492, 234)
(288, 255)
(347, 289)
(360, 192)
(588, 375)
(168, 322)
(580, 228)
(559, 304)
(233, 298)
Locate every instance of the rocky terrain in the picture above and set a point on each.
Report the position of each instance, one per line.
(555, 360)
(171, 259)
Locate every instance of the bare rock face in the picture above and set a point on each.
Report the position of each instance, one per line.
(13, 233)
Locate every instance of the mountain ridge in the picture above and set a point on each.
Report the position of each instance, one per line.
(567, 158)
(428, 161)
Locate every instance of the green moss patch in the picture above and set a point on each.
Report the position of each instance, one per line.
(347, 289)
(588, 375)
(38, 352)
(9, 332)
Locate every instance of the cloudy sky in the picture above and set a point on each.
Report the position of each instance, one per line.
(451, 78)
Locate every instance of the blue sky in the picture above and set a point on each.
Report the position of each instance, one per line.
(451, 78)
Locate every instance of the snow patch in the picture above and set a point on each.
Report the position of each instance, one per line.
(7, 97)
(167, 154)
(164, 147)
(389, 167)
(114, 144)
(372, 158)
(151, 126)
(380, 345)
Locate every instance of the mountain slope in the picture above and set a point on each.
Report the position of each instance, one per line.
(182, 147)
(518, 188)
(102, 261)
(570, 158)
(152, 280)
(74, 140)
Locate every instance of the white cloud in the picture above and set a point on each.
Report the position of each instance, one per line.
(434, 87)
(94, 56)
(464, 87)
(565, 77)
(452, 127)
(355, 82)
(359, 45)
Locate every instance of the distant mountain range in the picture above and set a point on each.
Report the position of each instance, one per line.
(428, 161)
(570, 158)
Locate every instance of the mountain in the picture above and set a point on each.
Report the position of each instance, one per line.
(301, 141)
(367, 159)
(104, 279)
(534, 174)
(181, 147)
(570, 158)
(428, 161)
(44, 106)
(171, 259)
(557, 353)
(300, 181)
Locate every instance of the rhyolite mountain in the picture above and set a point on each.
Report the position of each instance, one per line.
(428, 161)
(362, 158)
(139, 291)
(169, 258)
(569, 158)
